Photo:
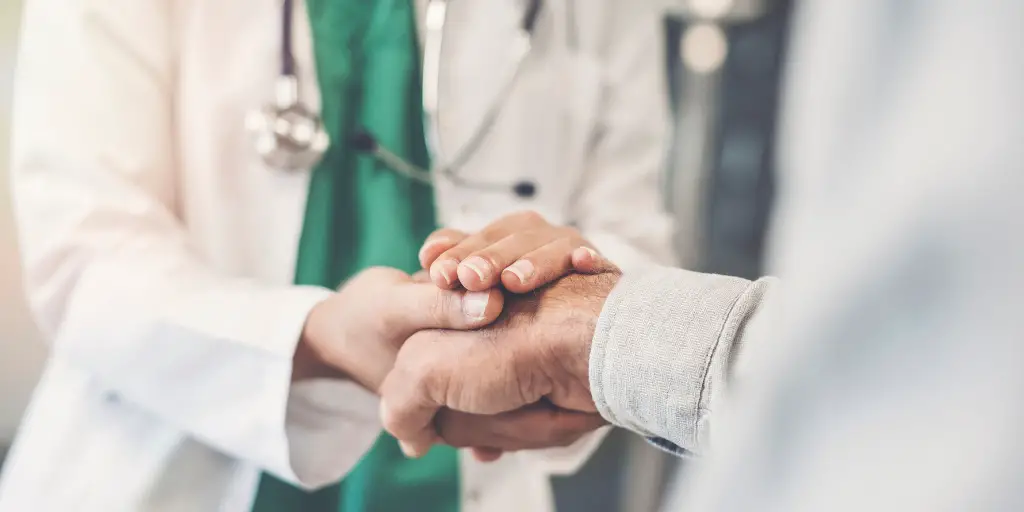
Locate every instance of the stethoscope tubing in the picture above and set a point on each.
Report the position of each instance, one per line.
(433, 51)
(435, 22)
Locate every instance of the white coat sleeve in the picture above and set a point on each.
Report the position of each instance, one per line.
(620, 206)
(110, 274)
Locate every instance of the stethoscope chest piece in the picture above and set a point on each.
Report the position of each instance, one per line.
(287, 134)
(290, 136)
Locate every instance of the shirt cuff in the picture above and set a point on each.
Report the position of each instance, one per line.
(654, 343)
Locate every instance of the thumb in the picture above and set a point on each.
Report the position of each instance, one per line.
(418, 305)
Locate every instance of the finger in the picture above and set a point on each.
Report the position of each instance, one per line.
(487, 454)
(412, 306)
(444, 270)
(482, 269)
(530, 428)
(437, 243)
(586, 260)
(540, 267)
(416, 451)
(407, 406)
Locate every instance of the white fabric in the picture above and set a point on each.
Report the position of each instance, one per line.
(895, 383)
(159, 251)
(886, 373)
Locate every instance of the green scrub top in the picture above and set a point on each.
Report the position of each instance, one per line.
(360, 214)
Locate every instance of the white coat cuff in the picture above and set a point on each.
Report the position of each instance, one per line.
(322, 427)
(330, 425)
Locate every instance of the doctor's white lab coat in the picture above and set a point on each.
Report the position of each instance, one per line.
(159, 250)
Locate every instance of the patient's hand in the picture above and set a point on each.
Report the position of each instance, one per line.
(521, 251)
(537, 353)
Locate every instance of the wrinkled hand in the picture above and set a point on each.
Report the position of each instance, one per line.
(538, 350)
(521, 251)
(356, 333)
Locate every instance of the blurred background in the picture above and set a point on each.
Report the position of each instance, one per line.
(21, 351)
(723, 66)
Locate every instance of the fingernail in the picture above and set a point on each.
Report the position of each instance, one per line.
(591, 252)
(478, 265)
(446, 269)
(523, 269)
(431, 244)
(474, 304)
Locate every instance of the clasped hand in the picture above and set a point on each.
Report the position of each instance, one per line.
(456, 360)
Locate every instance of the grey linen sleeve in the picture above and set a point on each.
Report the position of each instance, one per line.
(664, 346)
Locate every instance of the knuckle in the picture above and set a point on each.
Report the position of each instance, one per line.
(389, 420)
(382, 323)
(530, 217)
(491, 256)
(570, 233)
(390, 408)
(440, 307)
(420, 371)
(560, 250)
(448, 254)
(569, 241)
(460, 250)
(408, 352)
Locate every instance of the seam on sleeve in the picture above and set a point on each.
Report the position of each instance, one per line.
(706, 370)
(603, 335)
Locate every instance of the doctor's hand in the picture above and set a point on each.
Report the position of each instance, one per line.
(356, 333)
(537, 351)
(521, 251)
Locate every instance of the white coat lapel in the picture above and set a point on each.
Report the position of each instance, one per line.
(582, 85)
(475, 62)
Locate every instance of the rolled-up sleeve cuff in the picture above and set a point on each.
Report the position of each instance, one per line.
(653, 346)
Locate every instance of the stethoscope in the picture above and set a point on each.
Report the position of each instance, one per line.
(291, 136)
